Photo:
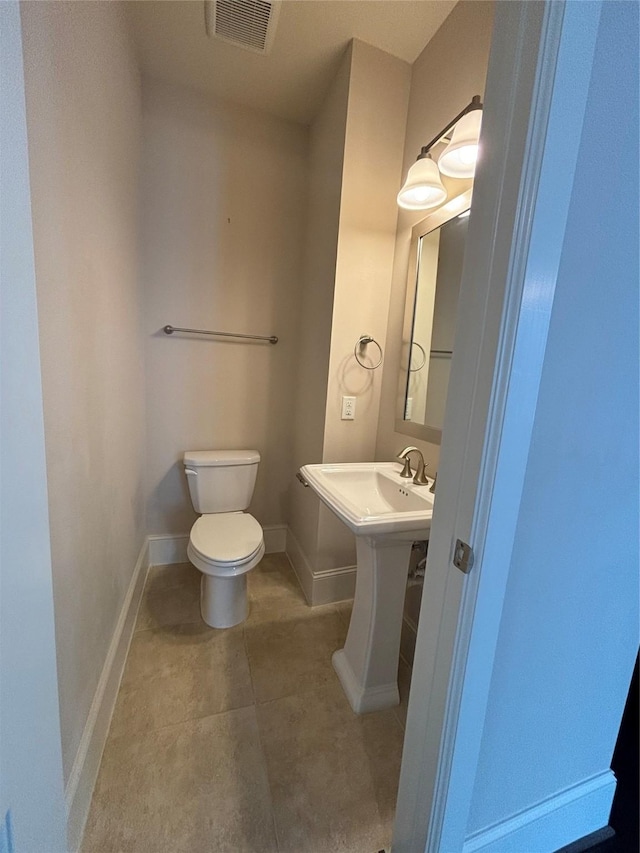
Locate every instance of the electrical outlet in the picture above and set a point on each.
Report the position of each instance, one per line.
(348, 408)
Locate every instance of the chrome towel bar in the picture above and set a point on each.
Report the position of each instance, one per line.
(169, 330)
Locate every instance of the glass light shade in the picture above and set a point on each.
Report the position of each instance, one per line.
(423, 188)
(458, 160)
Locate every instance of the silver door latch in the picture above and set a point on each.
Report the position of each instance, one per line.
(463, 556)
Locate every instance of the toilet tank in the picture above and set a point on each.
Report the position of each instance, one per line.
(221, 480)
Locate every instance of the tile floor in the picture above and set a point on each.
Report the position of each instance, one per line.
(242, 740)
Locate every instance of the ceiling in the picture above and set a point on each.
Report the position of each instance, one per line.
(310, 39)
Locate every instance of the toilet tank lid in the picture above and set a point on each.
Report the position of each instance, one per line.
(208, 458)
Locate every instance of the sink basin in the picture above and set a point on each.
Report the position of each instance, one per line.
(387, 513)
(372, 498)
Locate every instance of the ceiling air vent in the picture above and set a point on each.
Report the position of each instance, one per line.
(246, 23)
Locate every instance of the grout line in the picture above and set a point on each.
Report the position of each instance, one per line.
(170, 627)
(304, 692)
(268, 777)
(273, 811)
(166, 626)
(184, 722)
(260, 739)
(246, 652)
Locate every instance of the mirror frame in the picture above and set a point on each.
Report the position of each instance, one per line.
(454, 207)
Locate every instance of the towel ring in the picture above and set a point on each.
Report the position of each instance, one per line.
(362, 341)
(424, 357)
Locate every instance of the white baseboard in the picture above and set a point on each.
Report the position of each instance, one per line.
(555, 822)
(300, 565)
(166, 549)
(275, 538)
(334, 585)
(85, 768)
(324, 587)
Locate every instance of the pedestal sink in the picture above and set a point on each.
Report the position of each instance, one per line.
(387, 514)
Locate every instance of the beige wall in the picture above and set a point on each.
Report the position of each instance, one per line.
(450, 70)
(83, 112)
(374, 140)
(326, 158)
(356, 163)
(223, 212)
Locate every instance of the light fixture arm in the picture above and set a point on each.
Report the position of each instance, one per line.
(474, 104)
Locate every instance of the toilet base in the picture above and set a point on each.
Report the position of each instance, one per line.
(223, 601)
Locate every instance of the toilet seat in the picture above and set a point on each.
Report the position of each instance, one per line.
(226, 544)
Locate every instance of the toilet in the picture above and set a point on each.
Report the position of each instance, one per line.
(225, 542)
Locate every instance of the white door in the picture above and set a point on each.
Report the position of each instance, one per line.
(32, 816)
(535, 99)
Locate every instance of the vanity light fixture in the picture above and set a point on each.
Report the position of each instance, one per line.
(458, 160)
(423, 188)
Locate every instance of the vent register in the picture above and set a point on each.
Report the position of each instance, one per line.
(245, 23)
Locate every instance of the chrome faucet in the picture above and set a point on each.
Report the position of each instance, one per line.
(419, 478)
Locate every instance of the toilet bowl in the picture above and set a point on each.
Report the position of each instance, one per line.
(224, 543)
(224, 547)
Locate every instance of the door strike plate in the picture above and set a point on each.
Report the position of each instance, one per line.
(463, 556)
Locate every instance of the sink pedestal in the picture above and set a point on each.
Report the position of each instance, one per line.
(387, 513)
(367, 666)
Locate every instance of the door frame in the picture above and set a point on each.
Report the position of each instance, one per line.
(535, 101)
(32, 809)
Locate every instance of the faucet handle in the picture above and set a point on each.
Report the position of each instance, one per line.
(407, 473)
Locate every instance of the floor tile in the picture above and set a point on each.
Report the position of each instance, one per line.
(333, 775)
(171, 597)
(181, 673)
(344, 608)
(382, 739)
(273, 590)
(223, 738)
(293, 654)
(199, 787)
(168, 577)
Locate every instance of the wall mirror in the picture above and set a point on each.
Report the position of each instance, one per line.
(433, 287)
